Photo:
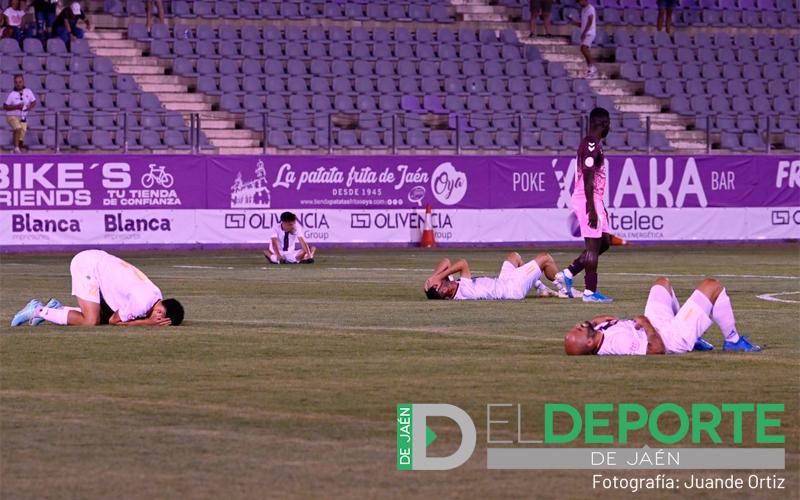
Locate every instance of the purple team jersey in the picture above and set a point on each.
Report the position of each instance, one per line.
(590, 157)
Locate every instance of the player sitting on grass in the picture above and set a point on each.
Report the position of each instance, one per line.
(109, 291)
(285, 239)
(515, 280)
(665, 327)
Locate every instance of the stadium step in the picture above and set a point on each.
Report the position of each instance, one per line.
(186, 106)
(163, 79)
(101, 34)
(117, 43)
(116, 51)
(139, 60)
(135, 69)
(217, 134)
(233, 142)
(542, 42)
(245, 151)
(207, 123)
(162, 87)
(184, 97)
(638, 108)
(615, 87)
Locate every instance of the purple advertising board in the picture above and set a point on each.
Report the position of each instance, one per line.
(54, 201)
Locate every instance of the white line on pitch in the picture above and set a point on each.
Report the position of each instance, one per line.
(771, 297)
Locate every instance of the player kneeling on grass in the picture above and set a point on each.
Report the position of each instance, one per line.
(514, 282)
(109, 291)
(665, 328)
(286, 237)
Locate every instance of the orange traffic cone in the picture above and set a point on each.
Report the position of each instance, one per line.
(616, 240)
(428, 238)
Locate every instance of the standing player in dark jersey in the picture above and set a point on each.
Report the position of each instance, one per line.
(587, 202)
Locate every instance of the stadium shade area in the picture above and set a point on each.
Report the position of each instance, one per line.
(411, 76)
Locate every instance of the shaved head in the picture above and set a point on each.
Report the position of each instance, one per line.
(582, 339)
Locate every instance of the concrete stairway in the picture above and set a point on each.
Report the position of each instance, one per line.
(627, 95)
(176, 93)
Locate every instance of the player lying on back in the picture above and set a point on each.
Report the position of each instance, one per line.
(514, 282)
(665, 328)
(109, 291)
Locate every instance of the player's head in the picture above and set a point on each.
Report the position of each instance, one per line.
(600, 122)
(19, 83)
(288, 220)
(446, 290)
(582, 339)
(168, 308)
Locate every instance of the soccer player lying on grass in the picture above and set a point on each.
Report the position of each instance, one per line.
(665, 327)
(514, 282)
(109, 291)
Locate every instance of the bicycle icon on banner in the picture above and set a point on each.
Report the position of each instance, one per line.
(157, 175)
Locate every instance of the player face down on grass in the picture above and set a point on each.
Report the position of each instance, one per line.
(666, 327)
(109, 290)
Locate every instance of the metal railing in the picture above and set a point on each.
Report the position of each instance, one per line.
(123, 124)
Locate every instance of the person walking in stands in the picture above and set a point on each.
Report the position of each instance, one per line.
(588, 26)
(17, 105)
(541, 8)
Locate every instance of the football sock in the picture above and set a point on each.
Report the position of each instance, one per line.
(568, 273)
(722, 313)
(676, 305)
(575, 267)
(591, 281)
(58, 316)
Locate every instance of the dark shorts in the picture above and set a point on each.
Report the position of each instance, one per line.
(667, 4)
(542, 5)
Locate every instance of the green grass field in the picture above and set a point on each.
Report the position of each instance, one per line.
(283, 380)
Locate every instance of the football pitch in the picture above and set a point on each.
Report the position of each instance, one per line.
(284, 380)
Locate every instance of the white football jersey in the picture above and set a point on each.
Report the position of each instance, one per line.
(623, 339)
(126, 289)
(287, 241)
(479, 289)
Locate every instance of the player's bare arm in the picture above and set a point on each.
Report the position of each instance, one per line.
(443, 272)
(602, 319)
(655, 344)
(149, 321)
(276, 248)
(588, 187)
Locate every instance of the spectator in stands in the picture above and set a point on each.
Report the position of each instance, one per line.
(588, 26)
(45, 11)
(13, 20)
(665, 8)
(148, 5)
(66, 24)
(17, 105)
(543, 8)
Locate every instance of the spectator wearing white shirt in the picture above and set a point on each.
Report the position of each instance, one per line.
(17, 105)
(588, 26)
(286, 238)
(14, 16)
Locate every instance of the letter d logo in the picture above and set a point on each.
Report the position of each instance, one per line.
(414, 436)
